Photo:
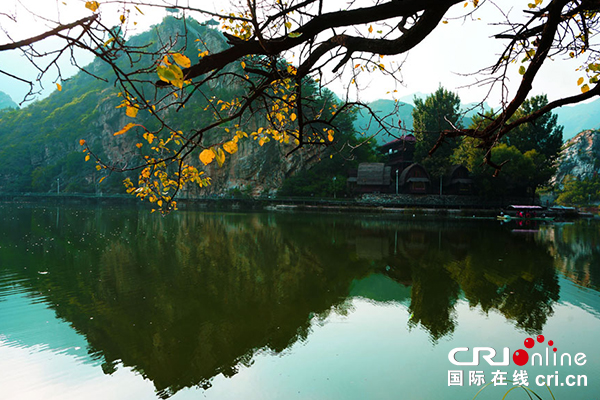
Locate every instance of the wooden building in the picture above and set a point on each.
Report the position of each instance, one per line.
(372, 178)
(414, 179)
(457, 180)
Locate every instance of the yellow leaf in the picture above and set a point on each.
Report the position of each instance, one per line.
(82, 142)
(293, 117)
(138, 145)
(59, 87)
(182, 60)
(330, 135)
(243, 64)
(476, 2)
(149, 137)
(131, 111)
(370, 28)
(140, 11)
(160, 203)
(98, 167)
(207, 156)
(585, 88)
(220, 157)
(92, 5)
(579, 81)
(230, 147)
(103, 178)
(125, 129)
(87, 158)
(122, 18)
(171, 74)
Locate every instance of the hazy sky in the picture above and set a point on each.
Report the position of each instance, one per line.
(452, 50)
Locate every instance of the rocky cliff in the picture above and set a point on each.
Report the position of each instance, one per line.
(580, 157)
(39, 144)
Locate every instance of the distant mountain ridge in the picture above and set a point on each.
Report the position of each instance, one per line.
(579, 118)
(398, 114)
(575, 119)
(6, 101)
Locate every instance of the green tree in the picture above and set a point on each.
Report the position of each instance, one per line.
(539, 142)
(318, 179)
(580, 191)
(542, 134)
(516, 178)
(438, 112)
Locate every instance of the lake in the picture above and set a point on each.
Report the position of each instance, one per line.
(118, 303)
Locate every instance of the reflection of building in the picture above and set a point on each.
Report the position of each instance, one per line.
(400, 174)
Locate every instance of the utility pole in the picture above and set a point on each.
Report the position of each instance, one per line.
(57, 185)
(396, 182)
(334, 178)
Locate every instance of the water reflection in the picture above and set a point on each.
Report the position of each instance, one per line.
(576, 249)
(184, 298)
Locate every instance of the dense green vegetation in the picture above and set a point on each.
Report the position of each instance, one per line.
(439, 111)
(327, 178)
(530, 152)
(39, 145)
(580, 191)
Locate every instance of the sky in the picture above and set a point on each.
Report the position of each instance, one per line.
(460, 47)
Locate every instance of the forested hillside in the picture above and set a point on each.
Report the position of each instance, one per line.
(40, 144)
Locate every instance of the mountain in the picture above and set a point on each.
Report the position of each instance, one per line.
(39, 144)
(580, 156)
(391, 113)
(410, 98)
(6, 101)
(578, 118)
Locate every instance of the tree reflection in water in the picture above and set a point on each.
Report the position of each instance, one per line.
(184, 298)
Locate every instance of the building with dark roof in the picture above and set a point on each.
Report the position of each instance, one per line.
(414, 179)
(457, 180)
(400, 174)
(373, 177)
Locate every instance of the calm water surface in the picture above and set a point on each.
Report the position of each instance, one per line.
(123, 304)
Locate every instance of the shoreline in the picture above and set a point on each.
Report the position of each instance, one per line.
(445, 207)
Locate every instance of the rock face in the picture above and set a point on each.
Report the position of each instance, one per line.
(580, 157)
(39, 144)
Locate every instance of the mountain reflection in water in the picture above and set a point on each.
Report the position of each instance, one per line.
(184, 298)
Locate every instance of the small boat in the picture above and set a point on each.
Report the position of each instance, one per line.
(507, 218)
(525, 213)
